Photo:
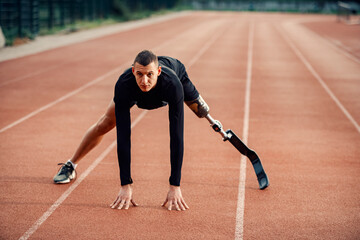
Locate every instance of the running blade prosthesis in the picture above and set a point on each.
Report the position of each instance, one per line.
(243, 149)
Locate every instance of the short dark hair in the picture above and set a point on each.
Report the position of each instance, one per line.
(146, 57)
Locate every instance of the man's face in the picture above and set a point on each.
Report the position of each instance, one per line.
(146, 76)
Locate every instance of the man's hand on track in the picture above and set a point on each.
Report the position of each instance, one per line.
(175, 199)
(124, 198)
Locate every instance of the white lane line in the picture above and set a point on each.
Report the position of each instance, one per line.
(338, 47)
(319, 79)
(98, 79)
(205, 48)
(239, 227)
(29, 75)
(325, 39)
(75, 184)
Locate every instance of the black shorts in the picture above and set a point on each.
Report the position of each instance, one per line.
(190, 92)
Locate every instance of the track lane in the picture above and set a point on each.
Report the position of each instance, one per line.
(201, 176)
(50, 129)
(303, 136)
(342, 36)
(339, 72)
(44, 146)
(314, 170)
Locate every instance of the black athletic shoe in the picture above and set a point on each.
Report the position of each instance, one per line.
(260, 173)
(65, 174)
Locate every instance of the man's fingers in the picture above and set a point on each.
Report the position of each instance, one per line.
(184, 203)
(170, 205)
(112, 204)
(127, 205)
(134, 203)
(121, 204)
(181, 206)
(177, 206)
(115, 203)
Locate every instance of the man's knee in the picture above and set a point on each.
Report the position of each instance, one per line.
(199, 107)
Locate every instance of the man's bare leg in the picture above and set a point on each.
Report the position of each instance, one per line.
(95, 133)
(91, 139)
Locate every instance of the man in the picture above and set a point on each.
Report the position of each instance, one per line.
(151, 82)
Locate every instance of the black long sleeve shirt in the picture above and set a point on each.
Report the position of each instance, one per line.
(172, 88)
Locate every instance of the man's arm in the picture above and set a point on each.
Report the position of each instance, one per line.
(174, 197)
(123, 132)
(176, 120)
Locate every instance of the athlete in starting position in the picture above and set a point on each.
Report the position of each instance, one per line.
(152, 82)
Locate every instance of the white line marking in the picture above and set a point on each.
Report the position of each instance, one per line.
(66, 194)
(239, 227)
(98, 79)
(317, 76)
(204, 48)
(339, 47)
(29, 75)
(328, 41)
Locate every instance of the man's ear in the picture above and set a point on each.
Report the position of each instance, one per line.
(133, 70)
(159, 70)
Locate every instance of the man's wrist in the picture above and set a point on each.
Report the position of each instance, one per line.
(126, 185)
(126, 181)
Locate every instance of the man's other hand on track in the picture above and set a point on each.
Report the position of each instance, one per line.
(124, 198)
(175, 199)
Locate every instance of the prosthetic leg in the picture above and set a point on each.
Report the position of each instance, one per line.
(201, 109)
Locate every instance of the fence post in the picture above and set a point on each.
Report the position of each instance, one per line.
(72, 12)
(92, 10)
(19, 18)
(35, 17)
(51, 14)
(82, 10)
(62, 13)
(31, 18)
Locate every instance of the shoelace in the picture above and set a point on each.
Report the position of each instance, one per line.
(64, 168)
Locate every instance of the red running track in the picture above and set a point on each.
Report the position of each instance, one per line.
(303, 121)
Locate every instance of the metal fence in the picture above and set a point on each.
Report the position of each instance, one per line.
(303, 6)
(25, 18)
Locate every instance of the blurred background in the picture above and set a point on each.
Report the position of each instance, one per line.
(24, 20)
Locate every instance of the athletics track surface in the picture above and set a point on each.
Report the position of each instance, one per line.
(284, 83)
